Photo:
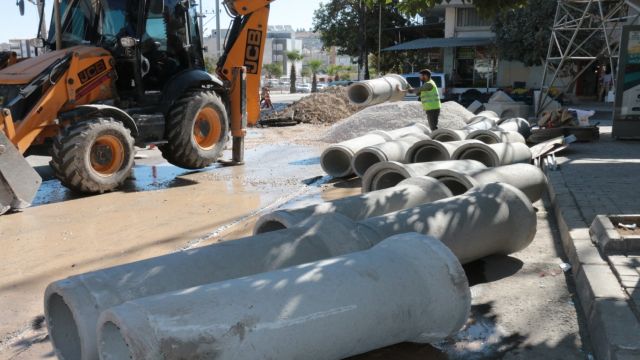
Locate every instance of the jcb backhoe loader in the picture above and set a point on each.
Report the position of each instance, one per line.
(120, 73)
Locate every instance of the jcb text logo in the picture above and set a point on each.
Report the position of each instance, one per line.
(252, 54)
(92, 71)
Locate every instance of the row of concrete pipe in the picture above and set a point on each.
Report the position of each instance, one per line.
(266, 296)
(413, 144)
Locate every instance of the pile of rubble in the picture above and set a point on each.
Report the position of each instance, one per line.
(325, 107)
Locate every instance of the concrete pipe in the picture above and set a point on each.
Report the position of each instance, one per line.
(493, 155)
(377, 91)
(527, 178)
(336, 159)
(519, 125)
(492, 219)
(417, 191)
(432, 150)
(496, 137)
(72, 305)
(481, 122)
(407, 288)
(389, 174)
(395, 150)
(446, 135)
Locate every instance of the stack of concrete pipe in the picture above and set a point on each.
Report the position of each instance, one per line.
(389, 174)
(377, 91)
(395, 150)
(493, 155)
(265, 296)
(433, 150)
(337, 159)
(527, 178)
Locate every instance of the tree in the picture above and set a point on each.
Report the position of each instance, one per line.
(487, 8)
(339, 24)
(523, 34)
(293, 56)
(315, 66)
(273, 69)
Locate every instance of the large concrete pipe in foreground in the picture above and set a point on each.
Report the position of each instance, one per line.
(395, 150)
(496, 213)
(493, 155)
(527, 178)
(496, 136)
(377, 91)
(519, 125)
(492, 219)
(446, 135)
(336, 159)
(407, 288)
(433, 150)
(389, 174)
(408, 194)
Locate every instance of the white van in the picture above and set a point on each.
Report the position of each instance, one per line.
(414, 81)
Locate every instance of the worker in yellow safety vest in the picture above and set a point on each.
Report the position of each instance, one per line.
(430, 98)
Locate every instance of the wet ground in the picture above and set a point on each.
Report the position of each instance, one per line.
(523, 306)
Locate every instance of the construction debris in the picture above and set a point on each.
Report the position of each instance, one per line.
(325, 107)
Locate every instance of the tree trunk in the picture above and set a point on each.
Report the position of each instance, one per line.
(314, 83)
(292, 85)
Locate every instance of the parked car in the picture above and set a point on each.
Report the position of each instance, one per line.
(303, 88)
(321, 86)
(414, 80)
(341, 83)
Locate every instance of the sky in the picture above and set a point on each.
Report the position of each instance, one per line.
(297, 13)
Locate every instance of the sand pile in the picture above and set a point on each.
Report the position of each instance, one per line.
(325, 107)
(389, 116)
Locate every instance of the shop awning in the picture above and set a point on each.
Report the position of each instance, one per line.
(428, 43)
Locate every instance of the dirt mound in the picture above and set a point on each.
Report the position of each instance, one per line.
(325, 107)
(389, 116)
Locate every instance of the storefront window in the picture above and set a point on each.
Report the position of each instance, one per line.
(474, 67)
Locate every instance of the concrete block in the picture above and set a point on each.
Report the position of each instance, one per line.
(597, 282)
(614, 330)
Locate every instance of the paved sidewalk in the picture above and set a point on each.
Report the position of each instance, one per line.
(601, 178)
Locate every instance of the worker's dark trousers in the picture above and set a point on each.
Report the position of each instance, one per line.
(432, 116)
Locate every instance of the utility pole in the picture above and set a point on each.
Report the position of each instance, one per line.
(219, 36)
(201, 19)
(379, 38)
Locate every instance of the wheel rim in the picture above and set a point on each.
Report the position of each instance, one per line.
(207, 129)
(107, 155)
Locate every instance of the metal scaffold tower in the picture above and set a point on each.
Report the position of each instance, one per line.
(584, 32)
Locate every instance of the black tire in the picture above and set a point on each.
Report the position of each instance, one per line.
(78, 156)
(183, 148)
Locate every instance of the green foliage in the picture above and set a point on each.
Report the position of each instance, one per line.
(293, 56)
(210, 65)
(523, 34)
(315, 66)
(487, 8)
(274, 70)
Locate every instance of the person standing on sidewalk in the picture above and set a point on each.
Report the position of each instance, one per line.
(429, 96)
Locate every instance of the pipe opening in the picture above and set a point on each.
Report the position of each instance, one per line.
(480, 155)
(455, 185)
(63, 328)
(269, 226)
(387, 180)
(358, 94)
(487, 139)
(336, 162)
(364, 161)
(113, 346)
(430, 153)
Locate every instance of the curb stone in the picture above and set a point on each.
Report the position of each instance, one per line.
(613, 327)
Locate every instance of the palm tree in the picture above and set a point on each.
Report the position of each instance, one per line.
(315, 66)
(293, 56)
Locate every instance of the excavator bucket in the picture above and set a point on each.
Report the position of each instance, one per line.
(18, 181)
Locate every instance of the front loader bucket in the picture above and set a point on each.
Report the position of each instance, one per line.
(18, 181)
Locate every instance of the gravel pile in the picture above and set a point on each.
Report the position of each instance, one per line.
(389, 116)
(326, 107)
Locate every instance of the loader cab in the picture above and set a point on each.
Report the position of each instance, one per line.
(150, 40)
